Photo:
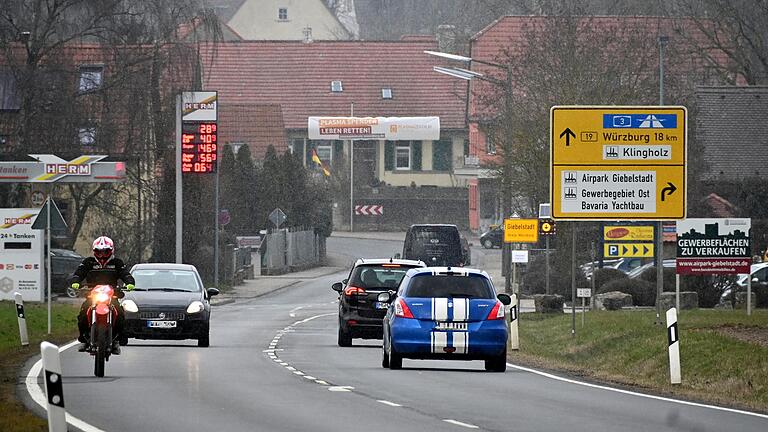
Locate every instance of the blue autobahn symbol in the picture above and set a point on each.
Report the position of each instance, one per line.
(639, 121)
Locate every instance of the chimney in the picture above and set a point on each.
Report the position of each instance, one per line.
(307, 34)
(446, 38)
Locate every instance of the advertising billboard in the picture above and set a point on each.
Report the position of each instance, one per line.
(22, 267)
(713, 246)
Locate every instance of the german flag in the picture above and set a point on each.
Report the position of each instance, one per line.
(321, 164)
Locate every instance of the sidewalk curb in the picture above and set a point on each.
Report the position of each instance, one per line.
(290, 282)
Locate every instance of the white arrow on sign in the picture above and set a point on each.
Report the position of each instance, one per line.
(369, 210)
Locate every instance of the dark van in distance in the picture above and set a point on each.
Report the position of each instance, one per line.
(434, 244)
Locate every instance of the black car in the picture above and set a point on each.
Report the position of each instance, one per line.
(434, 244)
(169, 302)
(64, 262)
(492, 238)
(360, 314)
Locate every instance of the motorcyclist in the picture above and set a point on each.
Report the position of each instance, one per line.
(102, 268)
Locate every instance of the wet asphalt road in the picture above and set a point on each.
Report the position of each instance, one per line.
(274, 365)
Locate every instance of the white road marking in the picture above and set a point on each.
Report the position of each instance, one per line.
(392, 404)
(458, 423)
(340, 388)
(311, 378)
(38, 394)
(601, 387)
(321, 382)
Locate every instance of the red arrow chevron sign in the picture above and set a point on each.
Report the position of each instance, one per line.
(369, 210)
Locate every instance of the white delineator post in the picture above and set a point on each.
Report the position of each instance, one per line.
(673, 339)
(514, 336)
(22, 319)
(54, 389)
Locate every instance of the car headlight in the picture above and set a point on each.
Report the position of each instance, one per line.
(195, 307)
(130, 306)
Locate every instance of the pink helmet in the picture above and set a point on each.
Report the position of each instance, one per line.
(103, 249)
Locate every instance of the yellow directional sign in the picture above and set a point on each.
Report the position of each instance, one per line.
(618, 162)
(521, 230)
(628, 250)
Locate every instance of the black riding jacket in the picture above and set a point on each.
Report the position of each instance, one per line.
(93, 273)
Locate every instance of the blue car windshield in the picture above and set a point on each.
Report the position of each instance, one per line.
(438, 286)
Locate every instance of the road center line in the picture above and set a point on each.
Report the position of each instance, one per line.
(458, 423)
(392, 404)
(664, 399)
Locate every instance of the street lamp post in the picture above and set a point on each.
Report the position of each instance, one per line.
(508, 162)
(663, 40)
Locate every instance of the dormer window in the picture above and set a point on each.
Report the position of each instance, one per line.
(336, 86)
(282, 14)
(386, 93)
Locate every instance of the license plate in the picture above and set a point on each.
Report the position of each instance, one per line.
(443, 325)
(382, 305)
(161, 324)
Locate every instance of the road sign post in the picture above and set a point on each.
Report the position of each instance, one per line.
(518, 230)
(618, 162)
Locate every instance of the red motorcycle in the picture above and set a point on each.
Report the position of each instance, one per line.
(101, 316)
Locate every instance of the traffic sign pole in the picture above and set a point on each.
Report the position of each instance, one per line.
(573, 279)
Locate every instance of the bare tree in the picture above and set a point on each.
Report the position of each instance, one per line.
(734, 30)
(149, 51)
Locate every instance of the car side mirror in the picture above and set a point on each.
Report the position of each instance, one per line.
(384, 297)
(505, 299)
(755, 280)
(337, 287)
(213, 291)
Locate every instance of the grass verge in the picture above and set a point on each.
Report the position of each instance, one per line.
(628, 349)
(14, 416)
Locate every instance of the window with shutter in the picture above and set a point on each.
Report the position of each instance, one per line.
(442, 155)
(416, 154)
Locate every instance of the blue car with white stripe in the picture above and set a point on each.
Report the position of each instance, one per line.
(445, 313)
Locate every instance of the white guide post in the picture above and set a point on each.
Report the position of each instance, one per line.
(514, 335)
(673, 339)
(22, 317)
(54, 390)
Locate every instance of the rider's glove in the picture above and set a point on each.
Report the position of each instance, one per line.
(130, 287)
(75, 285)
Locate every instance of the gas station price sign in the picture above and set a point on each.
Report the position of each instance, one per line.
(199, 147)
(199, 132)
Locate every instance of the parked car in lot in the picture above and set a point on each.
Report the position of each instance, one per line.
(434, 244)
(637, 271)
(449, 314)
(360, 313)
(492, 238)
(169, 302)
(64, 262)
(626, 265)
(759, 275)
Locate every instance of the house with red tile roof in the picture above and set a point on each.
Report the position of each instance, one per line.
(343, 78)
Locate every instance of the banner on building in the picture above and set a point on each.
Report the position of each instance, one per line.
(376, 128)
(713, 246)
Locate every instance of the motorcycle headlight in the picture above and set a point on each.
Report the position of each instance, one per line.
(195, 307)
(130, 306)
